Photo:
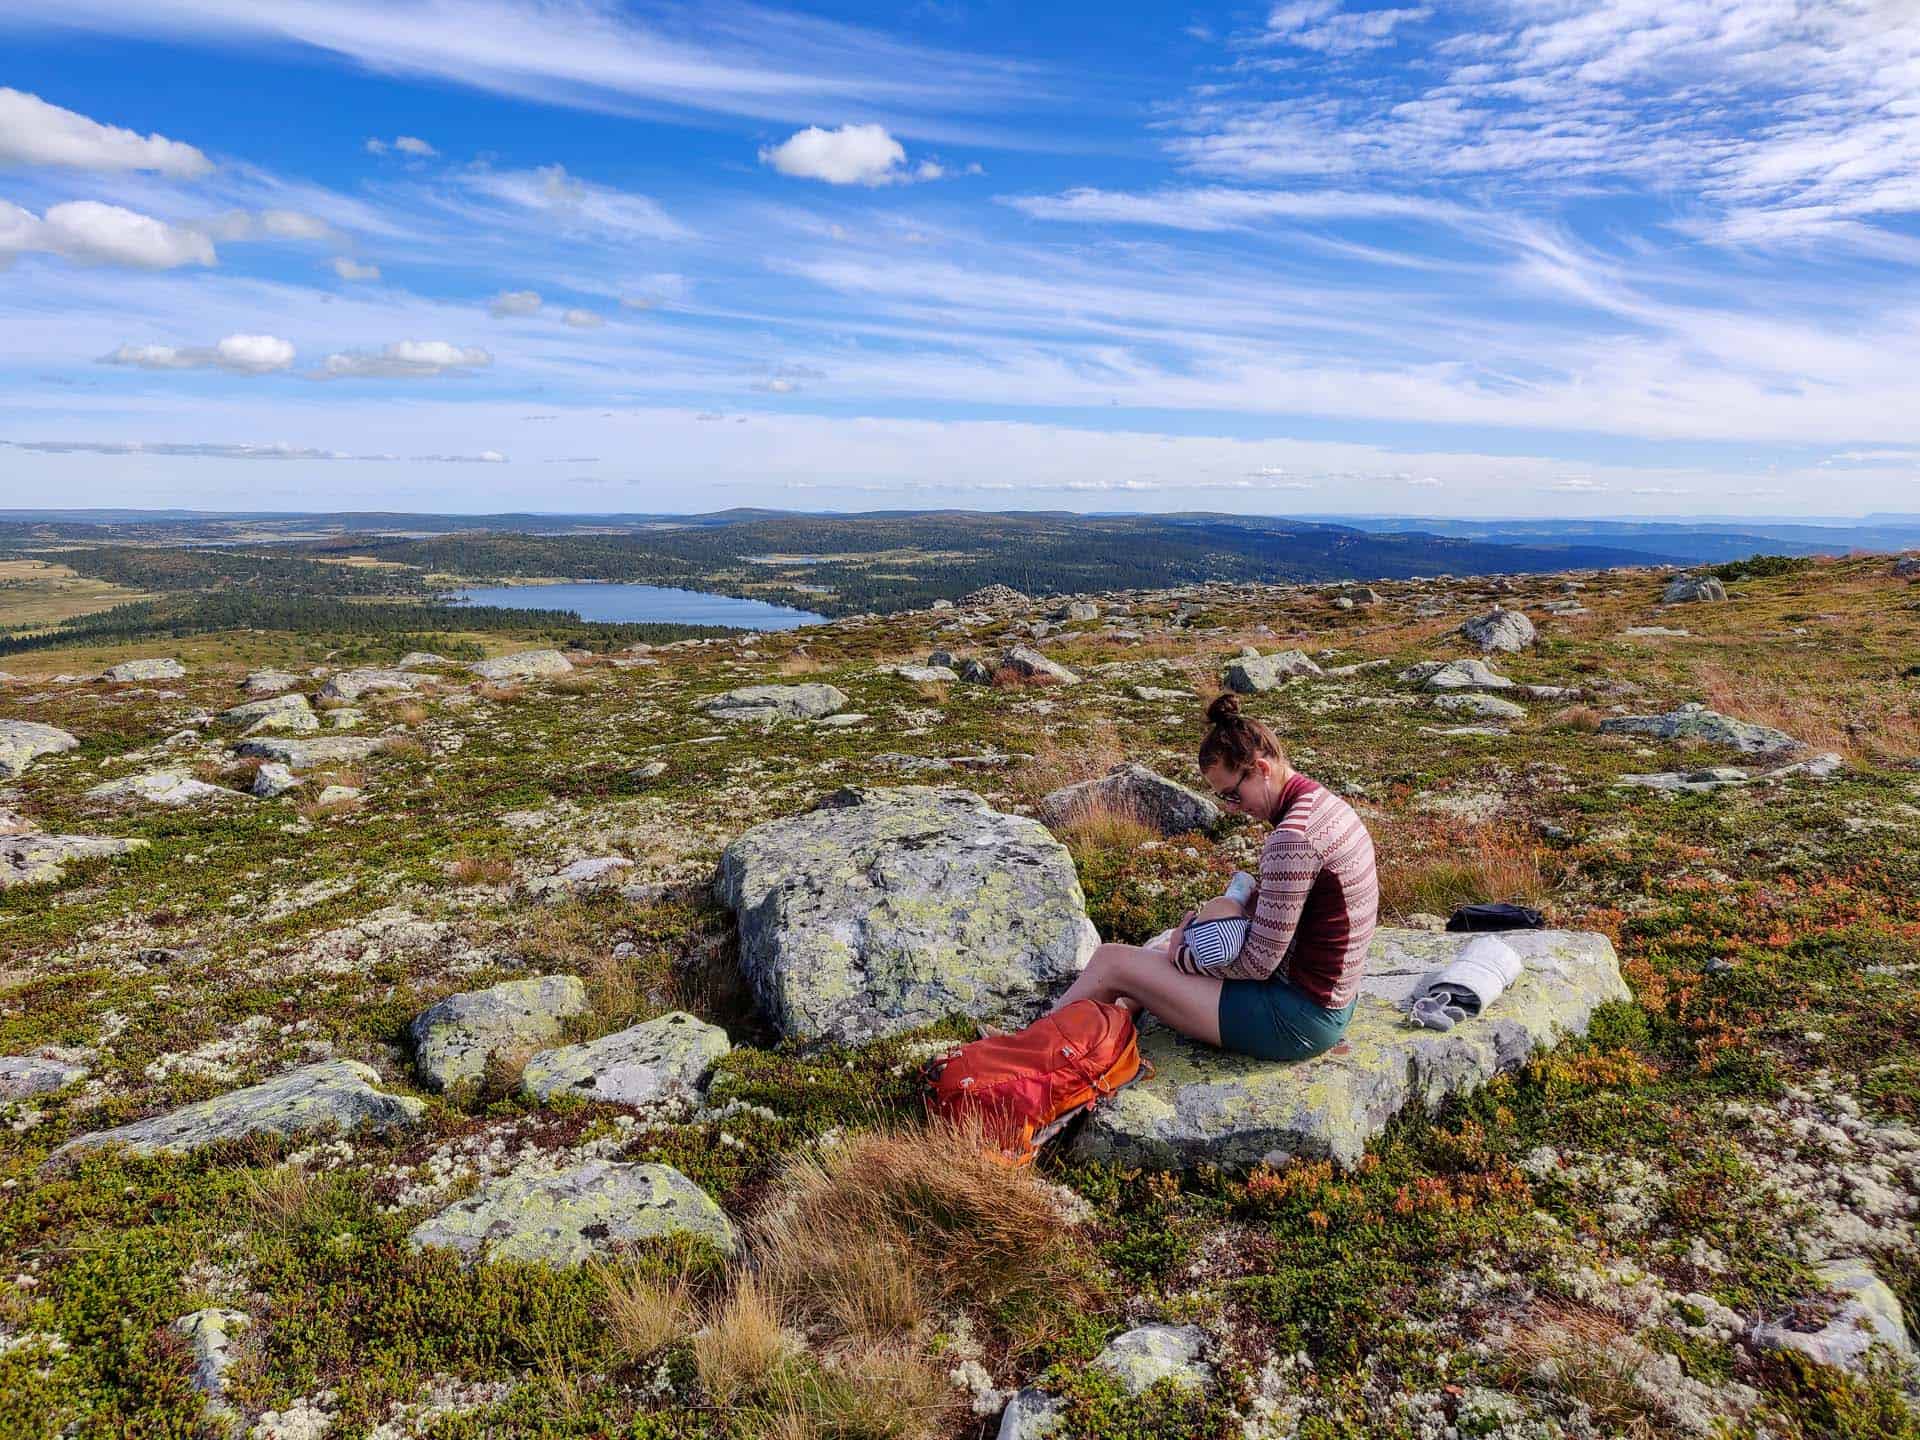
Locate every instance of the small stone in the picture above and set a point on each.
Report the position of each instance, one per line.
(1149, 1354)
(1030, 1415)
(419, 660)
(212, 1335)
(566, 1217)
(24, 1075)
(1446, 675)
(255, 711)
(309, 754)
(1869, 1314)
(925, 674)
(338, 795)
(582, 877)
(1480, 707)
(268, 682)
(665, 1059)
(1695, 722)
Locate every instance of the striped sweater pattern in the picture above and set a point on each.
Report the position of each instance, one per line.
(1314, 913)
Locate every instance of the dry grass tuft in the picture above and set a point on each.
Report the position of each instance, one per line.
(404, 747)
(1066, 759)
(937, 692)
(1586, 1356)
(1813, 699)
(1437, 866)
(1584, 718)
(644, 1312)
(611, 984)
(480, 870)
(875, 1233)
(798, 664)
(279, 1201)
(1007, 677)
(501, 694)
(874, 1392)
(410, 712)
(574, 685)
(1099, 825)
(740, 1342)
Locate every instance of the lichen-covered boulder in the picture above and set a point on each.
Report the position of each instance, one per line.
(278, 708)
(1207, 1106)
(925, 674)
(309, 754)
(565, 1217)
(1250, 673)
(272, 780)
(1133, 789)
(1500, 629)
(664, 1059)
(331, 1094)
(171, 787)
(776, 702)
(269, 682)
(1148, 1354)
(1029, 664)
(1449, 675)
(1709, 727)
(213, 1336)
(350, 685)
(40, 859)
(1691, 589)
(126, 670)
(524, 665)
(1479, 706)
(24, 1075)
(24, 741)
(454, 1038)
(883, 910)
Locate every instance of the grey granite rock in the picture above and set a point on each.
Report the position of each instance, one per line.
(776, 702)
(1868, 1315)
(1479, 706)
(1030, 664)
(278, 706)
(1207, 1106)
(1133, 789)
(883, 910)
(1448, 675)
(269, 682)
(565, 1217)
(332, 1093)
(350, 685)
(455, 1038)
(24, 741)
(524, 665)
(171, 787)
(1690, 589)
(272, 780)
(1500, 629)
(213, 1337)
(24, 1075)
(1149, 1354)
(35, 859)
(156, 669)
(664, 1059)
(310, 754)
(1697, 723)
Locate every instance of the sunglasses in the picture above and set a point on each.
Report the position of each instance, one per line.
(1232, 797)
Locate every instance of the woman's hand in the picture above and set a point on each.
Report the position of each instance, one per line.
(1177, 937)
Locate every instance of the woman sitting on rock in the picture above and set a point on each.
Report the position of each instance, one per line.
(1281, 987)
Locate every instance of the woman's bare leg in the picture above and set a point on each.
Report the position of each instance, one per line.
(1136, 973)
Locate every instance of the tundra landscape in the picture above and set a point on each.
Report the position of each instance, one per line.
(452, 1043)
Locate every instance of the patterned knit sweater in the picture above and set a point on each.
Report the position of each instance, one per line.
(1314, 912)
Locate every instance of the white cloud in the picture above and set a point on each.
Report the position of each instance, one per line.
(851, 155)
(34, 132)
(574, 206)
(402, 144)
(510, 303)
(1321, 25)
(1427, 482)
(348, 269)
(779, 385)
(241, 354)
(88, 232)
(1220, 207)
(582, 319)
(404, 360)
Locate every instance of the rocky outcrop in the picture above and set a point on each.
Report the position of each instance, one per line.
(272, 780)
(589, 876)
(309, 754)
(1445, 675)
(1139, 1359)
(349, 685)
(667, 1059)
(1690, 589)
(420, 659)
(1868, 1315)
(1206, 1106)
(993, 597)
(212, 1336)
(1133, 789)
(171, 787)
(885, 910)
(776, 702)
(925, 674)
(524, 665)
(24, 1075)
(331, 1094)
(34, 859)
(129, 670)
(1695, 722)
(1500, 629)
(24, 741)
(565, 1217)
(455, 1038)
(269, 682)
(1480, 707)
(291, 710)
(1250, 672)
(1029, 664)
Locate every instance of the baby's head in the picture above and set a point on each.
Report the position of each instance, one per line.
(1220, 908)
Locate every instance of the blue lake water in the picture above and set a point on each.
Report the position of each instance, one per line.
(637, 603)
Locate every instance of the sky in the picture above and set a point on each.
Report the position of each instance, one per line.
(1587, 258)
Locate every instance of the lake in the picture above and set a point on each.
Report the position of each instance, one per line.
(643, 603)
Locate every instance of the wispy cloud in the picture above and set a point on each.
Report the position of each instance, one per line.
(35, 132)
(404, 360)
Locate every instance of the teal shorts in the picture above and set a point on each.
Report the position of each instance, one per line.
(1275, 1019)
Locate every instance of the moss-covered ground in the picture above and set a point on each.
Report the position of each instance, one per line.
(1579, 1248)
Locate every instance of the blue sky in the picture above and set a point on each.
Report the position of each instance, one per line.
(1517, 257)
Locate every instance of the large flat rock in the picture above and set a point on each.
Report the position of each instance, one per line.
(566, 1216)
(310, 754)
(1205, 1106)
(39, 859)
(332, 1093)
(455, 1038)
(883, 910)
(664, 1059)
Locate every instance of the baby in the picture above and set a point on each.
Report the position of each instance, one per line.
(1217, 931)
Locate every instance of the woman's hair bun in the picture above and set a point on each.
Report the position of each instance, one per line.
(1225, 710)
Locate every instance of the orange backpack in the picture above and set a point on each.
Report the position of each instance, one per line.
(1022, 1089)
